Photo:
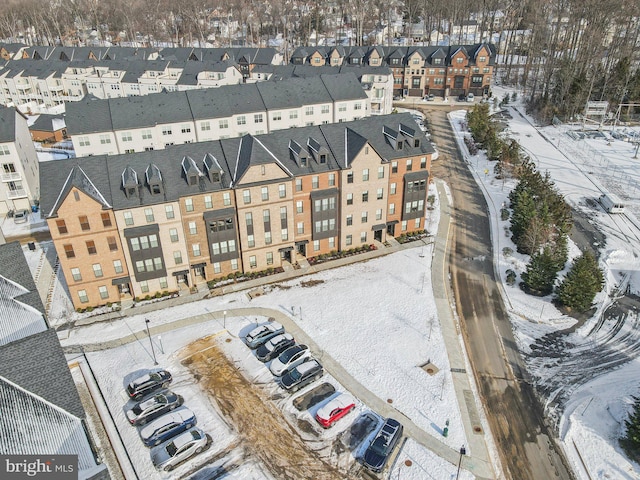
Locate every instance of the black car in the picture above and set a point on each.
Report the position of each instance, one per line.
(274, 347)
(152, 407)
(379, 451)
(302, 375)
(148, 383)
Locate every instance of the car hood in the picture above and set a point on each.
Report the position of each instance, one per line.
(277, 367)
(287, 380)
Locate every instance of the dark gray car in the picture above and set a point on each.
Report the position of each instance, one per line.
(379, 451)
(302, 375)
(152, 407)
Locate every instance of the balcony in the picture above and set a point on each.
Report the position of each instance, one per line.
(21, 192)
(10, 177)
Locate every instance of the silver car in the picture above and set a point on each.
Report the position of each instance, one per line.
(21, 216)
(262, 334)
(152, 407)
(168, 455)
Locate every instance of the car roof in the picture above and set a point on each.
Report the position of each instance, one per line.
(341, 400)
(307, 366)
(272, 327)
(280, 338)
(178, 415)
(186, 437)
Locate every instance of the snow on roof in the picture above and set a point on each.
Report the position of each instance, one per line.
(17, 319)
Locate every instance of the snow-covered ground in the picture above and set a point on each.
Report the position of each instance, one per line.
(594, 371)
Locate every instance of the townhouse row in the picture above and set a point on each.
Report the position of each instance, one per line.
(136, 224)
(152, 122)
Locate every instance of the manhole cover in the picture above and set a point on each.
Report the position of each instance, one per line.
(228, 340)
(477, 429)
(408, 463)
(389, 400)
(430, 368)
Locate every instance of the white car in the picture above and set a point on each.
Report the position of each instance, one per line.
(168, 455)
(262, 334)
(290, 358)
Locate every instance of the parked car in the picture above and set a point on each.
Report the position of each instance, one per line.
(462, 97)
(152, 407)
(168, 455)
(380, 449)
(291, 357)
(262, 334)
(21, 216)
(149, 382)
(430, 98)
(274, 347)
(167, 426)
(302, 375)
(470, 97)
(335, 409)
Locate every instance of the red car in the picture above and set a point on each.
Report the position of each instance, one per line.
(335, 410)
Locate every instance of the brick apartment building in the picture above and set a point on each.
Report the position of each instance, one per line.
(135, 224)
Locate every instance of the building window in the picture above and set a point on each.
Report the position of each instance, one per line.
(332, 179)
(251, 242)
(105, 139)
(357, 106)
(192, 228)
(84, 222)
(392, 189)
(332, 242)
(324, 109)
(342, 107)
(163, 282)
(365, 175)
(246, 196)
(300, 228)
(196, 249)
(308, 111)
(82, 295)
(380, 172)
(173, 234)
(379, 214)
(91, 247)
(266, 216)
(185, 129)
(241, 120)
(248, 218)
(365, 196)
(222, 124)
(392, 208)
(284, 234)
(293, 115)
(75, 273)
(128, 218)
(417, 223)
(113, 244)
(365, 217)
(316, 245)
(363, 237)
(282, 190)
(404, 225)
(299, 206)
(234, 264)
(349, 198)
(315, 182)
(167, 131)
(84, 141)
(252, 261)
(379, 194)
(350, 177)
(148, 213)
(168, 210)
(409, 165)
(298, 184)
(62, 227)
(267, 238)
(349, 240)
(144, 286)
(104, 293)
(264, 194)
(205, 126)
(423, 163)
(177, 257)
(257, 118)
(97, 270)
(106, 219)
(117, 266)
(394, 167)
(277, 116)
(269, 258)
(188, 204)
(349, 220)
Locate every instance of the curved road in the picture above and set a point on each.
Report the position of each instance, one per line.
(527, 447)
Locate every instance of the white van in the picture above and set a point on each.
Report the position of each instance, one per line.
(611, 203)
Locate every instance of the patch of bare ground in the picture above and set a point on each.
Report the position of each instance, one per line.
(311, 283)
(262, 427)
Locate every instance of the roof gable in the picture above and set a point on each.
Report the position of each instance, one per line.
(78, 178)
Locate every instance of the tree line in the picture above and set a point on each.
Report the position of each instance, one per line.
(540, 220)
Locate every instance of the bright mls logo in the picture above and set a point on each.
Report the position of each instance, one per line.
(49, 467)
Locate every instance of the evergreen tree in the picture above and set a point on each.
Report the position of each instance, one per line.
(581, 284)
(541, 272)
(631, 441)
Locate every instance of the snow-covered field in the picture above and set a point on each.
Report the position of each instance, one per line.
(595, 369)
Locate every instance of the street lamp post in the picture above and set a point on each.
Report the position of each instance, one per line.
(153, 352)
(463, 452)
(224, 319)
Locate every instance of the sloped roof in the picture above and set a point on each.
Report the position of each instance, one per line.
(31, 425)
(48, 123)
(7, 125)
(37, 364)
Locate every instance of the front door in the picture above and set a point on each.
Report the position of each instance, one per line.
(377, 235)
(302, 249)
(390, 229)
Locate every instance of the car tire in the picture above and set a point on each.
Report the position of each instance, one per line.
(141, 422)
(165, 385)
(157, 442)
(173, 407)
(198, 450)
(168, 468)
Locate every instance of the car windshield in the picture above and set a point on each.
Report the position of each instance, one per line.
(196, 435)
(288, 354)
(379, 446)
(171, 449)
(155, 377)
(295, 374)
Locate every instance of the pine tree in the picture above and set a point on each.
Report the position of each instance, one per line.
(541, 272)
(581, 284)
(631, 441)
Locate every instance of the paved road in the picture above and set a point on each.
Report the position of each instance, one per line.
(527, 448)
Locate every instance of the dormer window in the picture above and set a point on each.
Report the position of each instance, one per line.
(437, 61)
(155, 189)
(399, 145)
(323, 158)
(154, 179)
(416, 142)
(132, 192)
(303, 161)
(193, 179)
(215, 176)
